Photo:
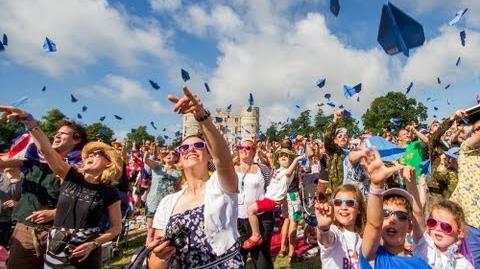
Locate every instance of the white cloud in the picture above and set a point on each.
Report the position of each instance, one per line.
(85, 31)
(280, 63)
(165, 5)
(438, 56)
(222, 19)
(126, 93)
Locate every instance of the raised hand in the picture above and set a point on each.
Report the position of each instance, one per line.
(376, 169)
(337, 115)
(11, 113)
(188, 104)
(324, 214)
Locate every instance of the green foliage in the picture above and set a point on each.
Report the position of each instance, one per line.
(303, 126)
(393, 105)
(8, 132)
(139, 135)
(50, 121)
(100, 131)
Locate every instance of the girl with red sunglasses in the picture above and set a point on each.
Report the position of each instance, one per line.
(437, 239)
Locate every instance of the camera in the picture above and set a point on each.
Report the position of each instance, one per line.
(177, 235)
(59, 241)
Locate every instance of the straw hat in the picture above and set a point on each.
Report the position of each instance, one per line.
(113, 172)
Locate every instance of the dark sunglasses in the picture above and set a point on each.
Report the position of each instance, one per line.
(445, 227)
(347, 202)
(97, 154)
(401, 215)
(183, 149)
(248, 148)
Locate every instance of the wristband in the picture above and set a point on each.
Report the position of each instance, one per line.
(377, 191)
(204, 117)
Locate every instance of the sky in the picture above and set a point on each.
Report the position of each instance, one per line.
(275, 49)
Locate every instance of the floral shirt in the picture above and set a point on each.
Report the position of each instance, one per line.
(467, 192)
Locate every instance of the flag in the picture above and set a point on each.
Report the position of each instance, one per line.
(388, 151)
(414, 157)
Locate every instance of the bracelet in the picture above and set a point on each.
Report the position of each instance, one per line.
(204, 117)
(376, 191)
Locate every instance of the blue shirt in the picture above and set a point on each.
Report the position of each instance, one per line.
(385, 259)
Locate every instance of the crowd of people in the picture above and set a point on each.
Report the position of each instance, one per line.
(209, 204)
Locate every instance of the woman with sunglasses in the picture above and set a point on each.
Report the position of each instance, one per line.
(253, 181)
(165, 179)
(197, 226)
(74, 239)
(438, 238)
(340, 227)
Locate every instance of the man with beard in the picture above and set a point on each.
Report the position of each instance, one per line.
(35, 210)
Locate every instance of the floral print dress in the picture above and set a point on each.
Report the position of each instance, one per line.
(198, 253)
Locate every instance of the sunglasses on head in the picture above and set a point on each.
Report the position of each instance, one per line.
(401, 215)
(445, 227)
(183, 149)
(241, 147)
(97, 154)
(347, 202)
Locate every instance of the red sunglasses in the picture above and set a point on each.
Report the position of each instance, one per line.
(248, 148)
(445, 227)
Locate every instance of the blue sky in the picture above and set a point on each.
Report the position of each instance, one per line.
(108, 50)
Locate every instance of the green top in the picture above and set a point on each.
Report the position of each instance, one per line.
(335, 157)
(40, 190)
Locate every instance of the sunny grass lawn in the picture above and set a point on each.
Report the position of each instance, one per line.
(137, 240)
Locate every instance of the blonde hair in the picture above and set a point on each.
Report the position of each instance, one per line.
(113, 172)
(362, 213)
(453, 208)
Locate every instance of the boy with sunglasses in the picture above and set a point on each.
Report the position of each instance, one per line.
(388, 221)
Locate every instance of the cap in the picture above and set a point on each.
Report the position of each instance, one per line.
(73, 98)
(398, 32)
(439, 81)
(409, 87)
(153, 125)
(84, 108)
(453, 153)
(250, 100)
(20, 101)
(185, 75)
(321, 82)
(49, 45)
(463, 35)
(5, 40)
(154, 84)
(341, 131)
(206, 87)
(398, 192)
(448, 86)
(334, 7)
(458, 61)
(118, 117)
(44, 88)
(457, 17)
(102, 118)
(327, 96)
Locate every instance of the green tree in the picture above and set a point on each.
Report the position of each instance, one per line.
(272, 132)
(50, 121)
(100, 131)
(8, 132)
(139, 135)
(393, 105)
(322, 121)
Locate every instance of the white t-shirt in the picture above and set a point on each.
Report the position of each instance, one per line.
(343, 252)
(253, 189)
(220, 215)
(278, 187)
(426, 249)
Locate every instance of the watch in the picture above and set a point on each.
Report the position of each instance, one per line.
(204, 117)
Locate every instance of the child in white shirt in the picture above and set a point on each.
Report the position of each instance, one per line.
(340, 226)
(275, 194)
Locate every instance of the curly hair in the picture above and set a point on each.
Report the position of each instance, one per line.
(79, 132)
